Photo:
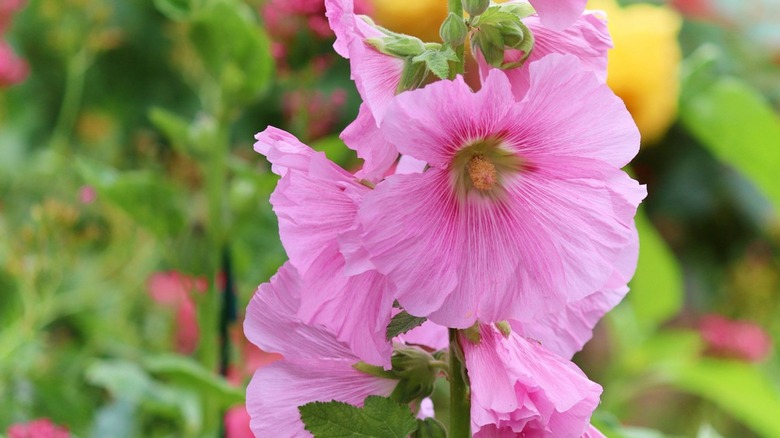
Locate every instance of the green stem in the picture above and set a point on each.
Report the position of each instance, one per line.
(458, 67)
(460, 399)
(74, 90)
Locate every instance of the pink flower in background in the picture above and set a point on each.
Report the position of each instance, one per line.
(558, 14)
(524, 208)
(316, 203)
(87, 195)
(12, 69)
(316, 365)
(237, 423)
(520, 389)
(41, 428)
(320, 110)
(7, 10)
(175, 291)
(740, 340)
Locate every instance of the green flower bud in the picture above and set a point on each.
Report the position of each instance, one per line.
(416, 373)
(475, 7)
(453, 31)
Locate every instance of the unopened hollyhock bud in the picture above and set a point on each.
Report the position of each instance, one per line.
(475, 7)
(739, 340)
(453, 31)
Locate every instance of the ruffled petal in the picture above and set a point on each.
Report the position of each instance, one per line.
(364, 137)
(276, 392)
(272, 323)
(558, 14)
(519, 387)
(432, 123)
(568, 112)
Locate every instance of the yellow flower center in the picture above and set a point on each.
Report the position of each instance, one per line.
(482, 172)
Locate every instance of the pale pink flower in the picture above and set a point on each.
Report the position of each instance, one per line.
(520, 389)
(316, 365)
(524, 207)
(41, 428)
(87, 195)
(741, 340)
(558, 14)
(316, 202)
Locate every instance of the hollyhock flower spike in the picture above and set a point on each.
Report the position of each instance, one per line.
(524, 207)
(520, 389)
(316, 202)
(316, 365)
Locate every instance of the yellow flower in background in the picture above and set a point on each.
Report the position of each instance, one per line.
(643, 66)
(421, 18)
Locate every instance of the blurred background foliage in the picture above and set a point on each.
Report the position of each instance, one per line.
(135, 223)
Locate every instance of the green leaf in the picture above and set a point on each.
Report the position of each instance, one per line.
(402, 323)
(741, 128)
(177, 10)
(174, 128)
(234, 49)
(429, 428)
(380, 417)
(437, 61)
(147, 197)
(656, 289)
(185, 372)
(739, 388)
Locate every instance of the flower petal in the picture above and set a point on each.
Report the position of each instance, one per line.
(558, 14)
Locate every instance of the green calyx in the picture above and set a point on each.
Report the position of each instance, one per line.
(453, 31)
(415, 370)
(475, 7)
(501, 27)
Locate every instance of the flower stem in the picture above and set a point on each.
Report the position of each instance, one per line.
(460, 403)
(458, 67)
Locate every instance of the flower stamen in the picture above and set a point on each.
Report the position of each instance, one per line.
(482, 173)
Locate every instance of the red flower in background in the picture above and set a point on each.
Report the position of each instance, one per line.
(41, 428)
(730, 339)
(175, 291)
(12, 69)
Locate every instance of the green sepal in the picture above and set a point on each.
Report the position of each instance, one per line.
(397, 45)
(413, 76)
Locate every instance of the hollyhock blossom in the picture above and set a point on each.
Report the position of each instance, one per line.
(740, 340)
(524, 207)
(316, 365)
(316, 202)
(41, 428)
(520, 389)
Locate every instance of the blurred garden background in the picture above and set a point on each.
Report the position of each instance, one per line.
(135, 223)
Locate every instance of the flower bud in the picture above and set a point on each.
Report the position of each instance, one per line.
(475, 7)
(413, 367)
(453, 31)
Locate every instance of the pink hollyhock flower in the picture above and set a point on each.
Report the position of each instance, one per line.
(87, 195)
(174, 291)
(316, 202)
(740, 340)
(316, 365)
(7, 10)
(520, 389)
(587, 38)
(558, 14)
(524, 207)
(41, 428)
